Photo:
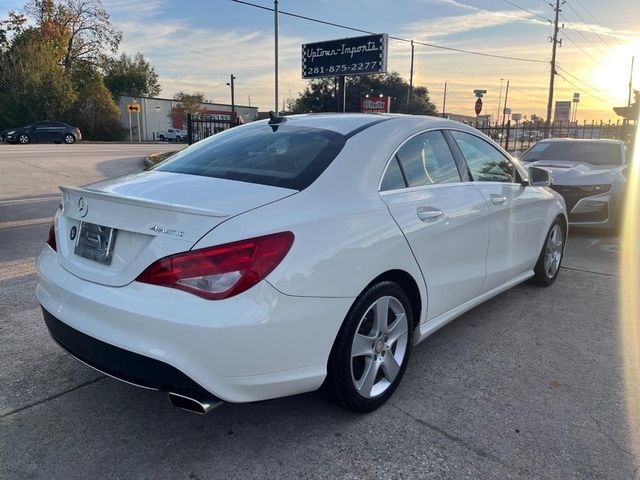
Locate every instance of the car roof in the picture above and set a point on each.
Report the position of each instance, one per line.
(349, 123)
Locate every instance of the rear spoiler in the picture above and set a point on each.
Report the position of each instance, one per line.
(142, 202)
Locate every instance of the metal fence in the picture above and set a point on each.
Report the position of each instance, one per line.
(519, 137)
(200, 127)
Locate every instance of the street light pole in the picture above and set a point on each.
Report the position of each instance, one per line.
(233, 98)
(410, 77)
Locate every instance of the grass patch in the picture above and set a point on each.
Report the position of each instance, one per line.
(159, 157)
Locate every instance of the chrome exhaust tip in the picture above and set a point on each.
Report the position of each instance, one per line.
(199, 406)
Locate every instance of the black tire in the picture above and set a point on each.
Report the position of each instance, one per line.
(340, 384)
(543, 276)
(23, 139)
(161, 137)
(69, 139)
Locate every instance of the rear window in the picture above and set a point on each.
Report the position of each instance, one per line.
(289, 157)
(590, 152)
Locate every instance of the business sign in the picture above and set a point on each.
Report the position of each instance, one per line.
(516, 117)
(375, 104)
(576, 98)
(562, 112)
(346, 56)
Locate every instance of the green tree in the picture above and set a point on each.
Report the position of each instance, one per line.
(187, 103)
(33, 84)
(132, 76)
(319, 95)
(94, 111)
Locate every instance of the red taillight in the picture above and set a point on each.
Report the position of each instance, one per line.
(223, 271)
(51, 239)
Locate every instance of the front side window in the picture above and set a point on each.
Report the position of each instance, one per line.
(426, 160)
(288, 156)
(487, 163)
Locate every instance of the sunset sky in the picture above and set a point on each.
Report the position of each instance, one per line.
(194, 45)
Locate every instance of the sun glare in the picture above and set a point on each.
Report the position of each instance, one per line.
(611, 77)
(630, 299)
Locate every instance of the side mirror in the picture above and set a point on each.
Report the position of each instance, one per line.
(539, 177)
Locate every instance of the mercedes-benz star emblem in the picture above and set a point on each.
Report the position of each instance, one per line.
(83, 207)
(74, 231)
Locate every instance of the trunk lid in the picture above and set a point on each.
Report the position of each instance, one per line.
(152, 214)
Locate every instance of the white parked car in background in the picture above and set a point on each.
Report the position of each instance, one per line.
(172, 134)
(298, 253)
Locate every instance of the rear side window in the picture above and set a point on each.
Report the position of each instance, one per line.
(393, 178)
(487, 163)
(289, 157)
(426, 160)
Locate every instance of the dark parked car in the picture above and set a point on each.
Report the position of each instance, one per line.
(42, 132)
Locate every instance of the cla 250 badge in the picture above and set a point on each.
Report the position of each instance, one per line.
(166, 231)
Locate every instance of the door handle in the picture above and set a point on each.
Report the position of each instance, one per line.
(498, 199)
(426, 214)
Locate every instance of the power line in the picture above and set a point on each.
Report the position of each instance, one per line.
(564, 34)
(588, 25)
(583, 89)
(528, 11)
(406, 40)
(579, 32)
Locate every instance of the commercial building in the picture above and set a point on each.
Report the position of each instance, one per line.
(157, 115)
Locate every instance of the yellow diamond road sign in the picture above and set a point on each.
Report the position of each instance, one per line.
(133, 107)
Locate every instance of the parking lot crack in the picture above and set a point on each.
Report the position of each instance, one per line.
(583, 270)
(52, 397)
(477, 450)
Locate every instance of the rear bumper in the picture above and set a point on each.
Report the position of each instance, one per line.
(258, 345)
(121, 364)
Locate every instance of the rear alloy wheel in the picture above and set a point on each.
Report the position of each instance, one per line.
(23, 139)
(548, 266)
(372, 349)
(69, 139)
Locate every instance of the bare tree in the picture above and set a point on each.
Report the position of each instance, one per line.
(84, 26)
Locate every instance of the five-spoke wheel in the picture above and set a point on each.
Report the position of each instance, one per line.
(379, 347)
(550, 259)
(372, 348)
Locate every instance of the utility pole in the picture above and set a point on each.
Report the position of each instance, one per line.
(410, 77)
(275, 38)
(444, 101)
(555, 42)
(631, 83)
(506, 97)
(499, 101)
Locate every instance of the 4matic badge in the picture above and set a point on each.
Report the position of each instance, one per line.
(166, 231)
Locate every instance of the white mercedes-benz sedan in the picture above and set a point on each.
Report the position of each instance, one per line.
(298, 253)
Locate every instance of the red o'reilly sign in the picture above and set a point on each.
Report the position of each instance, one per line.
(375, 104)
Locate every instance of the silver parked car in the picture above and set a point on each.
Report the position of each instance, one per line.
(589, 174)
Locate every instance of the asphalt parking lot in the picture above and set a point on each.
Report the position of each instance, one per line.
(528, 385)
